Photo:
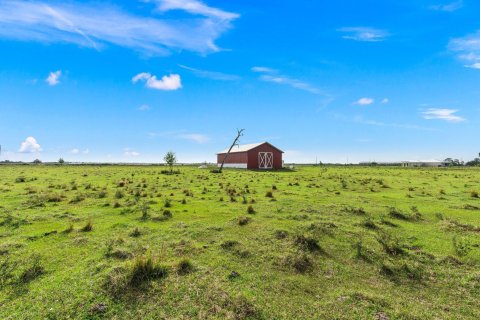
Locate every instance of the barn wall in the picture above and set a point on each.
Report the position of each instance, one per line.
(233, 158)
(253, 156)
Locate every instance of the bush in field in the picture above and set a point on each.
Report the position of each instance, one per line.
(250, 210)
(20, 179)
(135, 233)
(118, 194)
(88, 226)
(33, 271)
(243, 221)
(184, 267)
(145, 269)
(474, 194)
(299, 262)
(307, 243)
(462, 246)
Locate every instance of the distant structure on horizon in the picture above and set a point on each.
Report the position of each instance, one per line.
(261, 155)
(432, 163)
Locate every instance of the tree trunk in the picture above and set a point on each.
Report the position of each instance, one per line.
(239, 134)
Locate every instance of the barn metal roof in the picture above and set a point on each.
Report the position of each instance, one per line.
(246, 147)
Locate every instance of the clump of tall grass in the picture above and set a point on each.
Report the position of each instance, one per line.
(33, 271)
(88, 226)
(184, 267)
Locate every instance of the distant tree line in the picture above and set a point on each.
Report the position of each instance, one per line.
(450, 162)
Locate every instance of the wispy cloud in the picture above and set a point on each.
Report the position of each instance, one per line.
(167, 83)
(385, 101)
(144, 107)
(442, 114)
(30, 145)
(96, 24)
(365, 101)
(264, 70)
(376, 123)
(364, 34)
(195, 7)
(181, 134)
(448, 7)
(196, 137)
(272, 75)
(211, 74)
(468, 49)
(54, 78)
(78, 151)
(127, 152)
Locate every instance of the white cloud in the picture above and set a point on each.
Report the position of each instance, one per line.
(96, 24)
(263, 70)
(449, 7)
(144, 107)
(442, 114)
(167, 83)
(364, 34)
(385, 101)
(365, 101)
(196, 137)
(211, 74)
(30, 145)
(271, 75)
(78, 151)
(195, 7)
(468, 49)
(130, 153)
(54, 78)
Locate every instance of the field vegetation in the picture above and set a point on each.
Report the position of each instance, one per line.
(131, 242)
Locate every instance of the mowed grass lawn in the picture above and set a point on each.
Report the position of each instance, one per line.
(127, 242)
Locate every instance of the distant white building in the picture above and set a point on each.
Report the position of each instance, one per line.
(428, 163)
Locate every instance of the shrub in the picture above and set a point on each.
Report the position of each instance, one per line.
(301, 263)
(69, 229)
(244, 309)
(369, 224)
(397, 214)
(250, 210)
(229, 244)
(88, 226)
(462, 246)
(184, 267)
(474, 194)
(269, 194)
(102, 194)
(167, 214)
(135, 233)
(307, 243)
(116, 204)
(168, 203)
(145, 269)
(243, 221)
(281, 234)
(20, 179)
(119, 194)
(390, 245)
(144, 207)
(32, 272)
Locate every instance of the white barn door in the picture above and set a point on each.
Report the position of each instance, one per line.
(265, 160)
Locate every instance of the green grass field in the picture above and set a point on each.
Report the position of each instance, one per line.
(127, 242)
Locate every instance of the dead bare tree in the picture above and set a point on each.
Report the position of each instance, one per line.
(235, 142)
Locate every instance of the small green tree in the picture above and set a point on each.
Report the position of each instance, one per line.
(170, 159)
(61, 161)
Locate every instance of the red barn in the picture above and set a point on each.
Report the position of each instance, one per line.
(252, 156)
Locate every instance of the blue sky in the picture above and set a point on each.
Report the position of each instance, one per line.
(339, 81)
